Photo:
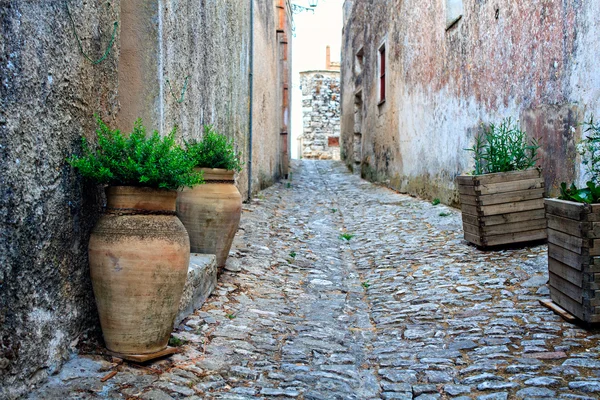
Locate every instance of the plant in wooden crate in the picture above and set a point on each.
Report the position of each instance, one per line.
(574, 237)
(502, 201)
(211, 213)
(138, 250)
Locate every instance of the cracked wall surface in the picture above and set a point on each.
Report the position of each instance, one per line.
(533, 61)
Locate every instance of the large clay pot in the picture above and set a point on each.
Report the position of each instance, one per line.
(211, 213)
(139, 255)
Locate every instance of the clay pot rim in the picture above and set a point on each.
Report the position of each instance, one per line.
(140, 198)
(146, 189)
(217, 174)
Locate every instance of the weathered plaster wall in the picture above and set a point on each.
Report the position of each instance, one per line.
(48, 94)
(321, 114)
(529, 60)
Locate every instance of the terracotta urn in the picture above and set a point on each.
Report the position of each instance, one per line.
(211, 213)
(139, 255)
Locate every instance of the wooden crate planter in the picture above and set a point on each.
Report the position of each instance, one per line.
(574, 257)
(503, 208)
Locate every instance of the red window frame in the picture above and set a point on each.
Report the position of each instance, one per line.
(382, 74)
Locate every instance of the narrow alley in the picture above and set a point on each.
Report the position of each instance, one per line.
(348, 290)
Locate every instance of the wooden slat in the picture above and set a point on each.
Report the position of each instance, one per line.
(566, 288)
(516, 237)
(567, 303)
(468, 190)
(568, 257)
(473, 239)
(466, 180)
(512, 217)
(470, 200)
(503, 187)
(470, 219)
(512, 207)
(592, 217)
(567, 316)
(472, 229)
(468, 209)
(595, 318)
(566, 272)
(508, 176)
(594, 246)
(594, 230)
(510, 197)
(514, 227)
(569, 242)
(566, 209)
(567, 225)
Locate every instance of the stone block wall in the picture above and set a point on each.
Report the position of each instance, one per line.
(321, 114)
(182, 63)
(454, 65)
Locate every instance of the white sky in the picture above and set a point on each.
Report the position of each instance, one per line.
(313, 33)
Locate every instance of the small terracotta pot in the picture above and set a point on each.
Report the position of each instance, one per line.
(211, 213)
(139, 255)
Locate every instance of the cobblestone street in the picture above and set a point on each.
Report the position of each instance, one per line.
(404, 309)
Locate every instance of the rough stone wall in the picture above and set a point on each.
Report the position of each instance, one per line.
(533, 61)
(48, 94)
(321, 114)
(265, 143)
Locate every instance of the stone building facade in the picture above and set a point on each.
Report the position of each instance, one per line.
(186, 63)
(420, 78)
(321, 114)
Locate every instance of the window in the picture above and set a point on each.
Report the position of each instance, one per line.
(381, 74)
(454, 12)
(359, 61)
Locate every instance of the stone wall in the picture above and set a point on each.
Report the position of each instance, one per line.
(534, 61)
(48, 94)
(321, 114)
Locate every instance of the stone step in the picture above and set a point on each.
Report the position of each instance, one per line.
(201, 281)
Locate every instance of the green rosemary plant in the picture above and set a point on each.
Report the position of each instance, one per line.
(589, 149)
(503, 148)
(214, 151)
(135, 159)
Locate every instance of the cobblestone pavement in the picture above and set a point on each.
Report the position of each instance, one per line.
(403, 310)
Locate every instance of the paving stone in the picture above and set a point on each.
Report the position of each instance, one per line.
(585, 386)
(495, 385)
(494, 396)
(542, 381)
(455, 390)
(156, 395)
(535, 392)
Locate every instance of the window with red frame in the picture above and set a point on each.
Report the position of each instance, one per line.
(382, 73)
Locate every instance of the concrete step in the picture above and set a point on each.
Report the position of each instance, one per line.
(201, 281)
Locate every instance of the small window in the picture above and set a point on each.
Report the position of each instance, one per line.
(359, 61)
(382, 66)
(454, 12)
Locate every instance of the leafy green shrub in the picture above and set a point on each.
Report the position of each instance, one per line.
(136, 160)
(590, 194)
(589, 149)
(214, 151)
(503, 148)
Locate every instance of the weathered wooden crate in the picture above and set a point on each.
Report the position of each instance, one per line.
(574, 257)
(503, 208)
